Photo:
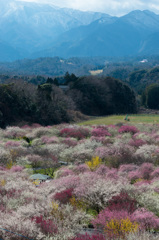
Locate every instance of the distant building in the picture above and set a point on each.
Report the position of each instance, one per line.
(38, 178)
(144, 61)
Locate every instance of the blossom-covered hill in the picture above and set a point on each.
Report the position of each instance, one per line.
(109, 182)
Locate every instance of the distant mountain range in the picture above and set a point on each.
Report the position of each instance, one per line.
(31, 30)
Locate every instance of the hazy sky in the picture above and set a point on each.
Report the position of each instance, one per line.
(112, 7)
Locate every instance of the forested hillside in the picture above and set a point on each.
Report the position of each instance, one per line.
(52, 66)
(47, 104)
(136, 72)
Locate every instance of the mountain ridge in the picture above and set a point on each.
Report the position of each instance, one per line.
(31, 26)
(31, 30)
(115, 37)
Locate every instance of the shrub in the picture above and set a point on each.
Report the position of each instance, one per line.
(121, 156)
(10, 164)
(130, 129)
(120, 228)
(103, 140)
(78, 133)
(136, 142)
(78, 203)
(97, 190)
(2, 182)
(141, 182)
(2, 208)
(102, 170)
(47, 140)
(36, 125)
(94, 163)
(112, 174)
(26, 127)
(155, 173)
(12, 144)
(82, 168)
(35, 160)
(99, 132)
(134, 175)
(106, 216)
(64, 196)
(146, 219)
(146, 169)
(147, 151)
(38, 132)
(16, 169)
(102, 127)
(89, 237)
(14, 132)
(126, 168)
(122, 202)
(10, 193)
(144, 172)
(47, 226)
(142, 235)
(66, 172)
(4, 156)
(106, 151)
(70, 142)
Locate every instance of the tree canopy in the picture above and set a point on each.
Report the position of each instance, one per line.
(102, 96)
(150, 97)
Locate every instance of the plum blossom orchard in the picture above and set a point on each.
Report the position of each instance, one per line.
(109, 182)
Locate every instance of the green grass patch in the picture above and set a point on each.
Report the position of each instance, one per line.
(28, 166)
(114, 119)
(92, 212)
(46, 171)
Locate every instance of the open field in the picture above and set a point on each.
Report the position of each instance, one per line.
(114, 119)
(96, 72)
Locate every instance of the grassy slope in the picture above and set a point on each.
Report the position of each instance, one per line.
(137, 118)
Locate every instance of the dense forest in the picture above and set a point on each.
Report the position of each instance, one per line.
(102, 96)
(119, 87)
(47, 103)
(56, 66)
(138, 72)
